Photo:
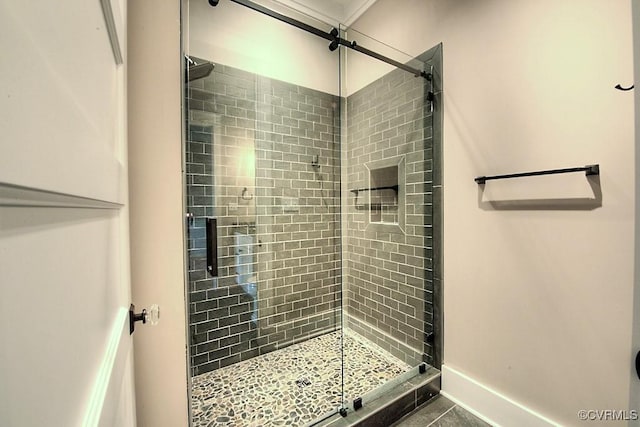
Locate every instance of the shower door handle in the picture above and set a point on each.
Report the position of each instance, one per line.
(212, 246)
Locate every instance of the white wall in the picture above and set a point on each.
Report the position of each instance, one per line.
(234, 35)
(157, 215)
(537, 303)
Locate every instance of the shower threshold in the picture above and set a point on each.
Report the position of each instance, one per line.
(397, 400)
(295, 386)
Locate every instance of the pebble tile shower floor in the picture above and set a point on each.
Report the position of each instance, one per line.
(292, 386)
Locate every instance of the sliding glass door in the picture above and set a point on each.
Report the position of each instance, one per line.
(263, 207)
(312, 203)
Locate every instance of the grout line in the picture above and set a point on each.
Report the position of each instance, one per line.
(443, 414)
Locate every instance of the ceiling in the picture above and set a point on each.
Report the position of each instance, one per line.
(331, 11)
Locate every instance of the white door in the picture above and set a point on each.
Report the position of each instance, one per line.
(65, 348)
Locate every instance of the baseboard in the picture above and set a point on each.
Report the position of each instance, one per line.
(487, 404)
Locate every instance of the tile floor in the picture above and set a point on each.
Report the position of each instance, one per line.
(441, 412)
(292, 386)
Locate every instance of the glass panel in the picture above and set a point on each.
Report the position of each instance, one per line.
(263, 159)
(322, 182)
(388, 268)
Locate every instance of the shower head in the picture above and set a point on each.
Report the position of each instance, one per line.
(214, 3)
(197, 71)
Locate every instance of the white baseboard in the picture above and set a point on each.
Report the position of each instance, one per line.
(487, 404)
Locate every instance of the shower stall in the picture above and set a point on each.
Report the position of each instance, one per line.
(312, 217)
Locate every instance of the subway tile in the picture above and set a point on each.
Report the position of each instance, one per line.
(298, 116)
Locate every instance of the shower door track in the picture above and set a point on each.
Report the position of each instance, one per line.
(332, 36)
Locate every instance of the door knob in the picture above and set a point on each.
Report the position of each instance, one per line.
(153, 316)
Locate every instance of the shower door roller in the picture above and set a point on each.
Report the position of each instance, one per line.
(153, 316)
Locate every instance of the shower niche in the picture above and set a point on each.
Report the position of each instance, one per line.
(384, 198)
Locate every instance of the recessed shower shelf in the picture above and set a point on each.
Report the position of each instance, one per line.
(358, 190)
(376, 206)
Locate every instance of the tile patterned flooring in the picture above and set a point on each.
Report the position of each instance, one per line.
(441, 412)
(292, 386)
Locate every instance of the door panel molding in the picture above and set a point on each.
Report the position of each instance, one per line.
(21, 196)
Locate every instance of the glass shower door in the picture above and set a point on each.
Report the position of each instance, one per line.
(391, 261)
(263, 190)
(298, 199)
(313, 214)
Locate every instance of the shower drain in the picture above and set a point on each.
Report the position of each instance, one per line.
(303, 382)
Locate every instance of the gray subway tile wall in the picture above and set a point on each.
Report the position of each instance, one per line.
(251, 144)
(277, 214)
(389, 273)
